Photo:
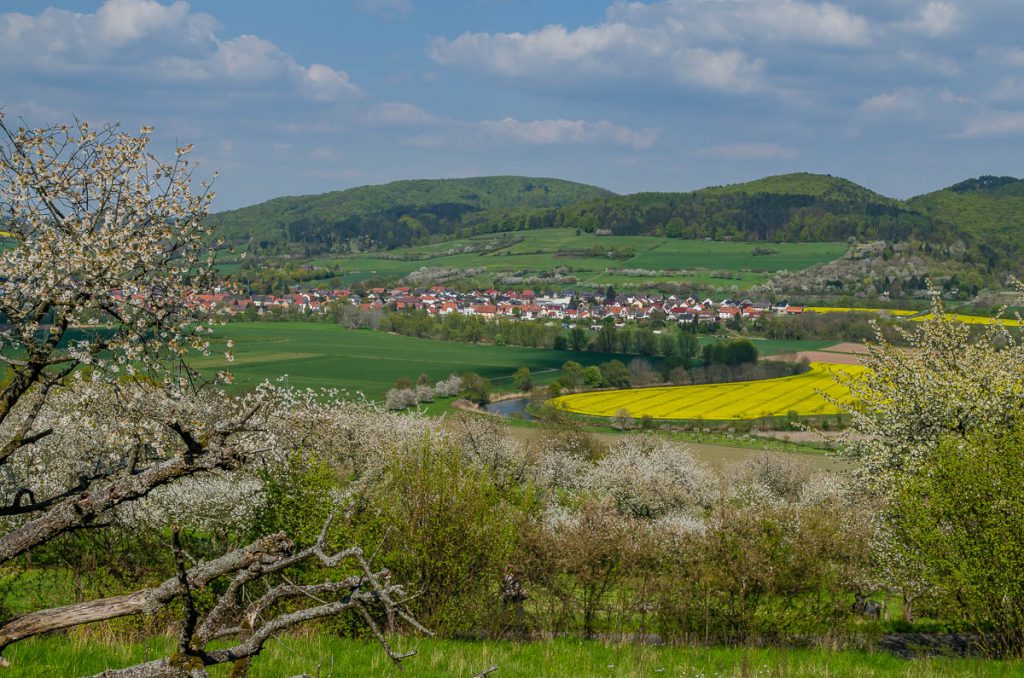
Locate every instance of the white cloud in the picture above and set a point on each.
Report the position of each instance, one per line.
(901, 101)
(324, 83)
(947, 96)
(823, 23)
(1008, 89)
(931, 63)
(399, 113)
(119, 22)
(748, 151)
(610, 51)
(150, 41)
(249, 58)
(1005, 56)
(434, 131)
(678, 43)
(561, 131)
(935, 19)
(995, 124)
(386, 9)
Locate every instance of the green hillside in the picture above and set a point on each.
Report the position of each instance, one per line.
(977, 222)
(790, 208)
(395, 214)
(803, 183)
(991, 209)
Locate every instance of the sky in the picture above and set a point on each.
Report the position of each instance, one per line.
(901, 96)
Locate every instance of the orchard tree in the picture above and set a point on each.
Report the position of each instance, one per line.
(102, 250)
(948, 382)
(938, 431)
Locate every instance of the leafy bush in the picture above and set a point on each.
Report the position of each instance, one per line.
(451, 532)
(757, 573)
(958, 528)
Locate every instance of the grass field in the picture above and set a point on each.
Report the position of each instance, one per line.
(766, 347)
(329, 656)
(586, 254)
(719, 402)
(326, 355)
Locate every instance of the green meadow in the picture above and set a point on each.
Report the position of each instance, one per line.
(323, 355)
(598, 260)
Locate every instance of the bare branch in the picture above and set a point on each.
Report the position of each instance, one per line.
(266, 550)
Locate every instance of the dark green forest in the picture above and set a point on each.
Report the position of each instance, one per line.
(396, 214)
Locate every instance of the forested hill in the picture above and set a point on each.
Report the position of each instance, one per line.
(979, 221)
(399, 213)
(991, 209)
(791, 207)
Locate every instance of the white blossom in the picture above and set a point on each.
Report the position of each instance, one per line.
(648, 476)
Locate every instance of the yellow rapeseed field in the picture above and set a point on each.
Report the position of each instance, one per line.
(739, 400)
(974, 319)
(848, 309)
(967, 319)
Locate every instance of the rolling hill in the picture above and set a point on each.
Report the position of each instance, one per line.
(991, 209)
(395, 214)
(979, 222)
(790, 208)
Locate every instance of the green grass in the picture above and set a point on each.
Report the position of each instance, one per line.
(736, 256)
(767, 347)
(544, 250)
(324, 655)
(324, 355)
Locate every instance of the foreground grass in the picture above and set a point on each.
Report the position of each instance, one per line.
(327, 656)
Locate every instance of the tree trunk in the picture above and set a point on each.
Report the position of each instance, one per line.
(138, 602)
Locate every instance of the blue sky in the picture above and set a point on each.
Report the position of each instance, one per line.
(903, 96)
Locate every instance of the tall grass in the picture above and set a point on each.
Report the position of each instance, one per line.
(322, 655)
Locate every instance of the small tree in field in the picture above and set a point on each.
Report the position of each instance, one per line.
(100, 415)
(475, 388)
(523, 379)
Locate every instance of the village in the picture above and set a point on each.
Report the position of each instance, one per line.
(567, 307)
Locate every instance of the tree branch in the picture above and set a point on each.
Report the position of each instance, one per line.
(266, 550)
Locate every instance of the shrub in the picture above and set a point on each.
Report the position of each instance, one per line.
(958, 528)
(592, 376)
(757, 573)
(451, 533)
(615, 373)
(623, 420)
(522, 379)
(577, 561)
(475, 388)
